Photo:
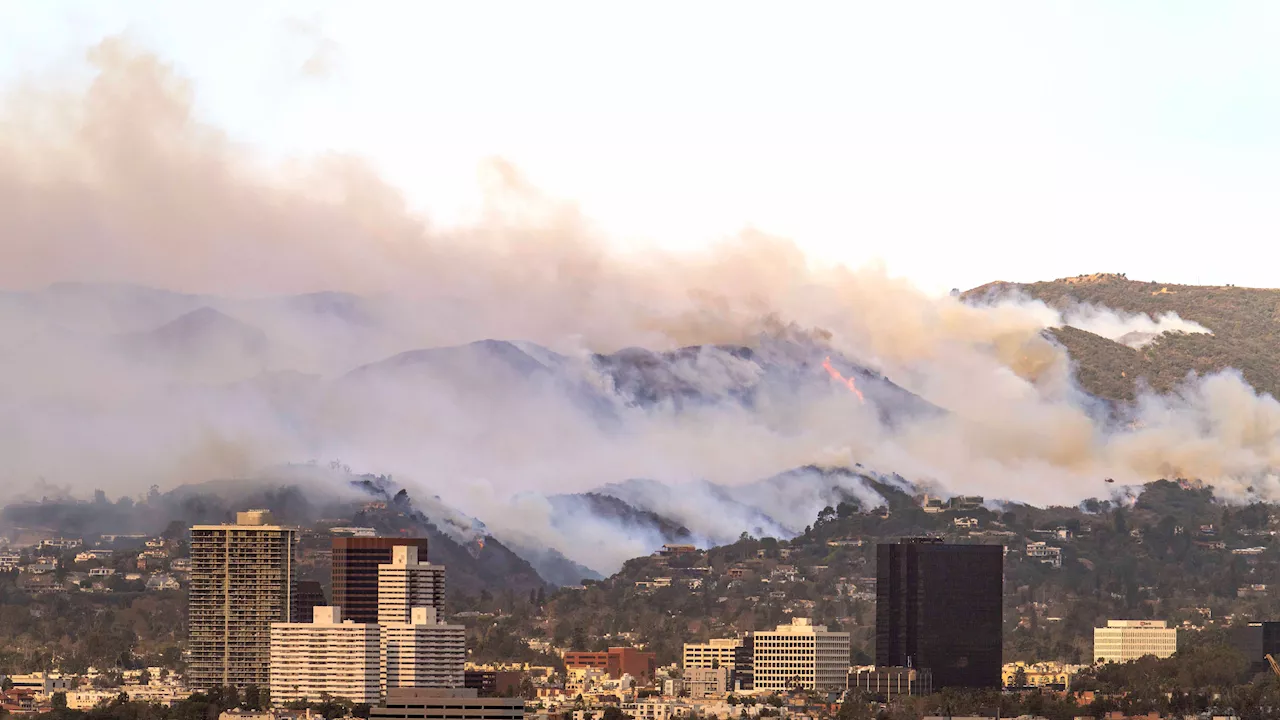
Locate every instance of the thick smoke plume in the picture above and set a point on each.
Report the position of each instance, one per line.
(225, 368)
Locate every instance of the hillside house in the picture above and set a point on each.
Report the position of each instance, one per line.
(1047, 554)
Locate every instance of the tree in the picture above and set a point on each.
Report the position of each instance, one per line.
(225, 697)
(826, 515)
(252, 698)
(613, 712)
(58, 701)
(854, 707)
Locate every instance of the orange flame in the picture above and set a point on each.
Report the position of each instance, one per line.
(847, 382)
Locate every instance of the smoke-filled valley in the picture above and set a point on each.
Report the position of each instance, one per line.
(177, 313)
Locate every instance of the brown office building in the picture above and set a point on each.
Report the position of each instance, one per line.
(618, 661)
(355, 573)
(442, 704)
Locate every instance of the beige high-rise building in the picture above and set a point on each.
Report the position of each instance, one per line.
(715, 653)
(328, 656)
(1125, 640)
(241, 582)
(405, 584)
(801, 655)
(422, 653)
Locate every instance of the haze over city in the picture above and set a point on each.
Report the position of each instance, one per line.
(584, 361)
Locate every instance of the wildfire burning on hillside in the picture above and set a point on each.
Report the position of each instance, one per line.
(847, 382)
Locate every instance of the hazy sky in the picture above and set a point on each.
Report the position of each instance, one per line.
(956, 142)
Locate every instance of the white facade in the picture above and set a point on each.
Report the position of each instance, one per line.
(1126, 640)
(43, 683)
(1047, 554)
(326, 656)
(405, 584)
(422, 653)
(92, 555)
(801, 654)
(718, 652)
(89, 699)
(655, 710)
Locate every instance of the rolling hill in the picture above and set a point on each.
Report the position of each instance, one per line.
(1245, 325)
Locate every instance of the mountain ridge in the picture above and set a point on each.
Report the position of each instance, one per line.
(1244, 325)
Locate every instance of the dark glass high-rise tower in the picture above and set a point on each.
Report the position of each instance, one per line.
(939, 607)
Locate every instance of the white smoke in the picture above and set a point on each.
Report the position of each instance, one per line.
(226, 370)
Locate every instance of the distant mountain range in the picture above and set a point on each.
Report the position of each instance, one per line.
(307, 494)
(532, 448)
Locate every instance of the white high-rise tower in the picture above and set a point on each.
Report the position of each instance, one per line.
(405, 584)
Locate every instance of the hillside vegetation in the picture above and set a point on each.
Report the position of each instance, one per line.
(1168, 556)
(1245, 324)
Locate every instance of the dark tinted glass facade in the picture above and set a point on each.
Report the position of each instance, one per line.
(307, 595)
(355, 573)
(1255, 641)
(938, 607)
(743, 677)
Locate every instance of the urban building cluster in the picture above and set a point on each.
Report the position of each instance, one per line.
(383, 640)
(389, 643)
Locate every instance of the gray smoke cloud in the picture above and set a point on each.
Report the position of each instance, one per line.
(275, 287)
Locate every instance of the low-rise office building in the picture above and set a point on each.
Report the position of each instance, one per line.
(706, 682)
(41, 682)
(1127, 640)
(445, 704)
(616, 662)
(717, 652)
